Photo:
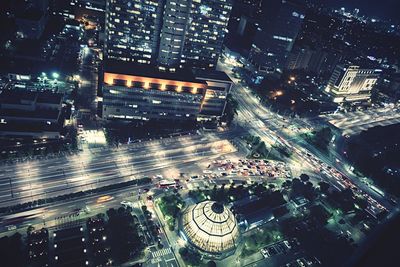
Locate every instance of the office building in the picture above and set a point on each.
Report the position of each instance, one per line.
(132, 30)
(299, 58)
(211, 228)
(352, 83)
(206, 29)
(170, 33)
(173, 30)
(276, 34)
(142, 93)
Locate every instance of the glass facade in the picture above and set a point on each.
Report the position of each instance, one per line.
(275, 37)
(211, 227)
(205, 34)
(132, 30)
(169, 33)
(173, 32)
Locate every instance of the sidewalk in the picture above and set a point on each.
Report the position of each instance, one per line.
(170, 236)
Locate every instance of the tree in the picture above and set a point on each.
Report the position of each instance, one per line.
(211, 264)
(12, 251)
(323, 187)
(191, 257)
(304, 177)
(123, 235)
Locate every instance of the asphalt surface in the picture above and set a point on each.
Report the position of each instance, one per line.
(30, 180)
(273, 129)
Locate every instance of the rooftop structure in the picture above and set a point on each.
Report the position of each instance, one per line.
(211, 227)
(30, 113)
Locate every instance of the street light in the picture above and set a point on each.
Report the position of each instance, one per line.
(55, 75)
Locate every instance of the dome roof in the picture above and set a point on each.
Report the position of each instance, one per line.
(210, 226)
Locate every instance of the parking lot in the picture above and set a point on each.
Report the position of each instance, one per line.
(278, 248)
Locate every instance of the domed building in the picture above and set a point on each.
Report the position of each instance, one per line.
(210, 227)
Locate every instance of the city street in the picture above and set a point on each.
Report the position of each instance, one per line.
(272, 128)
(26, 181)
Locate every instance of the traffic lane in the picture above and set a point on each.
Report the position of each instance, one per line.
(100, 153)
(70, 170)
(99, 180)
(246, 102)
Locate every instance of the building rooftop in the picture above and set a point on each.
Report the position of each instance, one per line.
(17, 96)
(211, 227)
(49, 97)
(213, 75)
(129, 68)
(23, 96)
(31, 14)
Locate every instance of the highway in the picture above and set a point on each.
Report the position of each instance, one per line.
(26, 181)
(273, 128)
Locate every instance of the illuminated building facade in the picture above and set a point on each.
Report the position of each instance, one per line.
(132, 92)
(206, 29)
(167, 33)
(173, 33)
(132, 30)
(281, 23)
(211, 228)
(351, 83)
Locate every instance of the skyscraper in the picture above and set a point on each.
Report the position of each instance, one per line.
(132, 30)
(275, 37)
(172, 35)
(167, 33)
(206, 28)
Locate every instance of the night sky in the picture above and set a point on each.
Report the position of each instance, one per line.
(389, 9)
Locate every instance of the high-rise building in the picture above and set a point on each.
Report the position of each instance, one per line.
(132, 30)
(167, 33)
(206, 29)
(299, 58)
(351, 83)
(173, 33)
(281, 23)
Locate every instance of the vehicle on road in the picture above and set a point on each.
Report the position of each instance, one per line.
(103, 199)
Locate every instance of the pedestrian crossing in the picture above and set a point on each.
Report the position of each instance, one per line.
(161, 252)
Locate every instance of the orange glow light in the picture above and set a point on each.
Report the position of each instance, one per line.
(110, 77)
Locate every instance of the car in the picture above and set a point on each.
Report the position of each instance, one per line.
(265, 253)
(11, 227)
(207, 171)
(126, 203)
(103, 199)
